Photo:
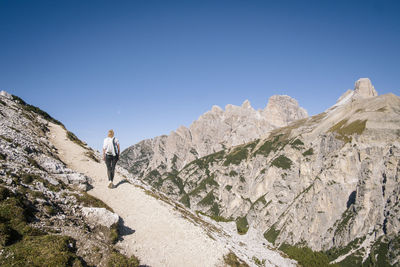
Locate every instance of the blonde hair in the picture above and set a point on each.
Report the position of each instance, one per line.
(110, 133)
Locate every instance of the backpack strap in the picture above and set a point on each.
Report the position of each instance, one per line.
(115, 146)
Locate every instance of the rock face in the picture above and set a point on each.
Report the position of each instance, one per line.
(213, 131)
(363, 88)
(330, 182)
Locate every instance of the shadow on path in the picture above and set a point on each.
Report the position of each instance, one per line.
(123, 229)
(124, 181)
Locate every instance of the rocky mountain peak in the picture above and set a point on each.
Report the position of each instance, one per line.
(6, 95)
(282, 109)
(363, 88)
(246, 104)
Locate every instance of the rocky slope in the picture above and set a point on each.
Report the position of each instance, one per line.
(329, 182)
(46, 217)
(213, 131)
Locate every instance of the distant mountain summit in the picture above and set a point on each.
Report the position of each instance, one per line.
(213, 131)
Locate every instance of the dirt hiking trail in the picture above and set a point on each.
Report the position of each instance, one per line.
(158, 234)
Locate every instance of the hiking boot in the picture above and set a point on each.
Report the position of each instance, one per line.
(111, 185)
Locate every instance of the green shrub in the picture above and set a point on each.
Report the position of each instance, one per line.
(90, 154)
(71, 136)
(208, 200)
(272, 234)
(282, 162)
(203, 185)
(3, 156)
(204, 162)
(275, 143)
(175, 179)
(185, 200)
(297, 144)
(258, 262)
(305, 256)
(4, 193)
(309, 152)
(50, 210)
(232, 173)
(114, 233)
(242, 225)
(34, 163)
(9, 140)
(28, 178)
(228, 187)
(232, 260)
(117, 259)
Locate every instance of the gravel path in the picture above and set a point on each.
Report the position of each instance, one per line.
(154, 231)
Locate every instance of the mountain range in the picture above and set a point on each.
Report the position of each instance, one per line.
(325, 186)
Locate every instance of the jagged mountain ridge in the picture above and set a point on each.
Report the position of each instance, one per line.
(330, 182)
(213, 131)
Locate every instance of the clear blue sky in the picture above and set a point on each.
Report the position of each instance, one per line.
(146, 67)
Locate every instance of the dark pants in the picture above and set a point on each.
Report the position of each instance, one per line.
(111, 161)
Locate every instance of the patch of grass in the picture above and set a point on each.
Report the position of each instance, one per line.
(50, 210)
(175, 179)
(34, 163)
(306, 256)
(334, 252)
(232, 173)
(173, 162)
(114, 233)
(242, 225)
(278, 141)
(232, 260)
(47, 250)
(90, 154)
(297, 144)
(260, 199)
(282, 162)
(208, 200)
(204, 162)
(343, 222)
(9, 140)
(272, 234)
(258, 262)
(4, 193)
(344, 131)
(228, 187)
(36, 110)
(202, 185)
(117, 259)
(239, 153)
(28, 178)
(89, 201)
(185, 200)
(308, 152)
(71, 136)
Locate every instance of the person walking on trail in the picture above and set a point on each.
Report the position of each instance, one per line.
(111, 155)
